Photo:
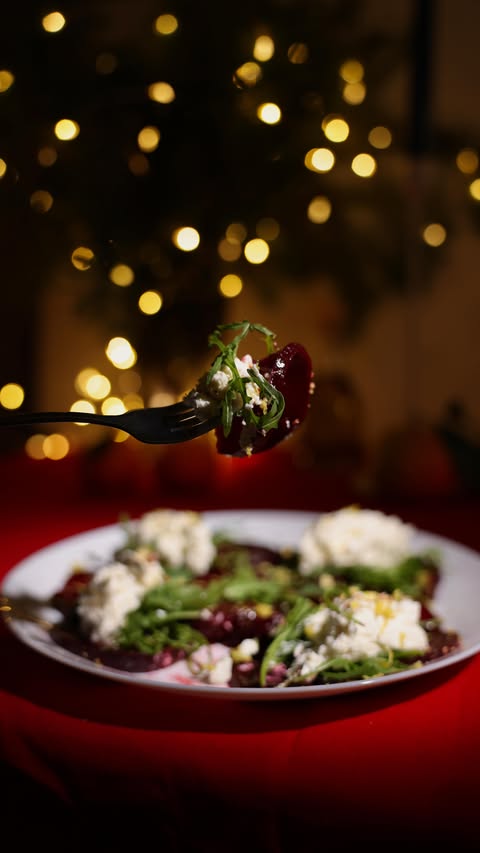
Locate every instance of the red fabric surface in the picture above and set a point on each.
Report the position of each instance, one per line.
(397, 761)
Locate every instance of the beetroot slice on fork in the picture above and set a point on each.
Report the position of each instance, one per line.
(289, 370)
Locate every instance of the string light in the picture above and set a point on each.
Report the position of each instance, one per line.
(121, 353)
(269, 113)
(53, 22)
(335, 128)
(66, 129)
(82, 258)
(55, 446)
(3, 168)
(434, 234)
(474, 189)
(364, 165)
(113, 406)
(7, 80)
(12, 395)
(354, 93)
(319, 209)
(319, 160)
(41, 201)
(380, 137)
(161, 92)
(351, 71)
(34, 446)
(148, 139)
(186, 238)
(247, 75)
(256, 251)
(228, 250)
(150, 302)
(298, 53)
(230, 285)
(264, 48)
(122, 275)
(467, 161)
(165, 25)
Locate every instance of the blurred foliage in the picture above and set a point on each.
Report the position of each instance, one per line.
(216, 163)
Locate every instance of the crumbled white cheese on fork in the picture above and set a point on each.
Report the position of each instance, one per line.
(178, 538)
(354, 537)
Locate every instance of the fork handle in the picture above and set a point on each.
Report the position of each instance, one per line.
(28, 418)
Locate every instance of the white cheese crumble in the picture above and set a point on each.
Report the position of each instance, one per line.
(179, 538)
(363, 625)
(114, 591)
(354, 537)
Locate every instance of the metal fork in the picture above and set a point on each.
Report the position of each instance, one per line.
(162, 425)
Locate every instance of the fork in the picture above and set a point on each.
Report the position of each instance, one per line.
(161, 425)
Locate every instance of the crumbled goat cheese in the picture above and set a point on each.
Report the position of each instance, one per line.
(354, 537)
(114, 591)
(364, 625)
(180, 538)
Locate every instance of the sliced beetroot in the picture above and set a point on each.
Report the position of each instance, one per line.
(289, 370)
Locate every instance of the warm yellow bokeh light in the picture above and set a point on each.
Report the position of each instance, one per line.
(138, 165)
(121, 353)
(187, 239)
(47, 156)
(247, 75)
(98, 386)
(3, 167)
(298, 53)
(236, 232)
(12, 395)
(467, 161)
(161, 92)
(121, 275)
(53, 22)
(230, 285)
(82, 378)
(256, 251)
(351, 71)
(364, 165)
(264, 48)
(319, 160)
(55, 446)
(380, 137)
(229, 251)
(66, 129)
(150, 302)
(82, 406)
(41, 201)
(354, 93)
(133, 401)
(7, 79)
(148, 139)
(319, 209)
(165, 25)
(269, 113)
(434, 234)
(474, 189)
(113, 406)
(335, 129)
(267, 228)
(82, 258)
(34, 446)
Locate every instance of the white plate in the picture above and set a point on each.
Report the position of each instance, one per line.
(45, 571)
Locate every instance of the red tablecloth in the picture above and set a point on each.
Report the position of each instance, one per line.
(398, 763)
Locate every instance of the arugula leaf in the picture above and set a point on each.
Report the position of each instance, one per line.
(236, 401)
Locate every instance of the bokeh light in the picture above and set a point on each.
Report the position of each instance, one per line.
(55, 446)
(230, 285)
(165, 25)
(434, 234)
(53, 22)
(121, 353)
(161, 92)
(82, 258)
(122, 275)
(364, 165)
(256, 251)
(66, 129)
(269, 113)
(186, 238)
(12, 395)
(319, 209)
(150, 302)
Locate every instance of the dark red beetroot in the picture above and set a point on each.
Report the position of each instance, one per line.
(289, 370)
